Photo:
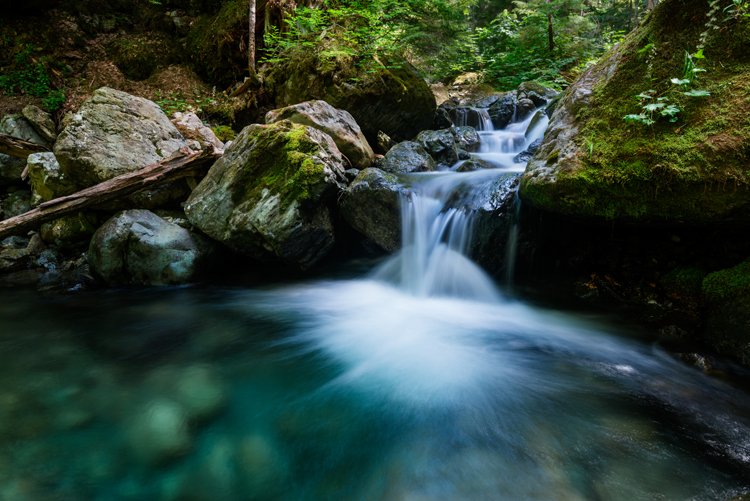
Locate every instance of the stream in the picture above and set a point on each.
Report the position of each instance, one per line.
(410, 378)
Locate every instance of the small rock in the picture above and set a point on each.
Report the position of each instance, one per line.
(47, 179)
(17, 203)
(14, 260)
(15, 242)
(36, 245)
(41, 121)
(467, 138)
(193, 128)
(385, 143)
(474, 164)
(697, 360)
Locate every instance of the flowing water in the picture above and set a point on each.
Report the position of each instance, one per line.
(411, 379)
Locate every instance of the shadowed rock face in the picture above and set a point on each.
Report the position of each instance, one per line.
(392, 98)
(371, 205)
(408, 157)
(339, 124)
(268, 197)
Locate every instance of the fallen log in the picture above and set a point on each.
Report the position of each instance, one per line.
(15, 147)
(184, 164)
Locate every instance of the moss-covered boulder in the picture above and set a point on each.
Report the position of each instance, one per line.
(372, 206)
(268, 196)
(592, 162)
(382, 95)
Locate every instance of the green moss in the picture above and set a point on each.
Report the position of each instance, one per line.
(282, 162)
(552, 158)
(685, 280)
(728, 284)
(224, 133)
(694, 169)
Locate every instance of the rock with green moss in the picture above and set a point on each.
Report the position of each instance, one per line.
(47, 180)
(684, 281)
(372, 206)
(594, 163)
(115, 133)
(268, 197)
(407, 157)
(138, 247)
(339, 124)
(69, 229)
(728, 284)
(386, 94)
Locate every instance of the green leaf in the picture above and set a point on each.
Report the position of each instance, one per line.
(646, 48)
(680, 81)
(697, 93)
(699, 55)
(653, 106)
(643, 96)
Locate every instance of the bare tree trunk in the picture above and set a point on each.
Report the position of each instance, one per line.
(185, 164)
(253, 81)
(550, 34)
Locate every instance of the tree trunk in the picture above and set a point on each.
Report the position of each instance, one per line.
(550, 34)
(253, 81)
(15, 147)
(184, 164)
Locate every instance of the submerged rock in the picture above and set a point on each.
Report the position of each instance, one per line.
(388, 95)
(268, 196)
(372, 206)
(528, 153)
(338, 124)
(160, 432)
(407, 157)
(440, 144)
(138, 247)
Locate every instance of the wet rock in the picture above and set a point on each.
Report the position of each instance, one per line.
(463, 155)
(69, 229)
(49, 259)
(385, 143)
(338, 124)
(192, 128)
(533, 87)
(19, 202)
(47, 179)
(12, 167)
(442, 119)
(41, 122)
(351, 174)
(528, 153)
(36, 244)
(440, 144)
(407, 157)
(391, 97)
(268, 196)
(467, 138)
(138, 247)
(115, 133)
(524, 108)
(262, 466)
(372, 206)
(474, 164)
(160, 432)
(503, 110)
(552, 105)
(697, 360)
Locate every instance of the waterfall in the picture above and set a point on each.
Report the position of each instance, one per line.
(436, 233)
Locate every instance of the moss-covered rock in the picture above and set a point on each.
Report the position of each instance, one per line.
(594, 163)
(268, 196)
(728, 284)
(386, 94)
(684, 280)
(139, 56)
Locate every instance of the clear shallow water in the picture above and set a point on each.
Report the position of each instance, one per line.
(350, 389)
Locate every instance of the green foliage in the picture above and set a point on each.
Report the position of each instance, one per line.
(685, 280)
(27, 75)
(224, 133)
(728, 284)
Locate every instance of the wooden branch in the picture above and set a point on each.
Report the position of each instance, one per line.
(183, 164)
(15, 147)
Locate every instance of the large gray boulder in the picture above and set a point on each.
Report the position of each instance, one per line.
(112, 134)
(407, 157)
(11, 167)
(372, 206)
(138, 247)
(268, 196)
(48, 181)
(440, 144)
(339, 124)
